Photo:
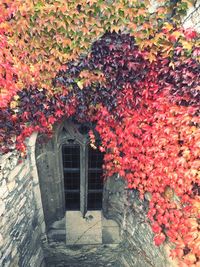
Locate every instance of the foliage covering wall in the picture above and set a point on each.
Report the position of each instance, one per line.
(134, 75)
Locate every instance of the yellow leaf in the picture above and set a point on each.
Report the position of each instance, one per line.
(13, 104)
(80, 84)
(176, 34)
(151, 57)
(187, 45)
(171, 64)
(115, 28)
(168, 26)
(16, 97)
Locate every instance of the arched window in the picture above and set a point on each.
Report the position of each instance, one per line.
(82, 169)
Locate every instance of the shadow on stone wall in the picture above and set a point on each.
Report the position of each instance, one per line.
(126, 208)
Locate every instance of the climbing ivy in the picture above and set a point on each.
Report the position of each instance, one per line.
(131, 70)
(37, 38)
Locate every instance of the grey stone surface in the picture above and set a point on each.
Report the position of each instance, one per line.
(83, 230)
(110, 235)
(20, 231)
(192, 19)
(124, 206)
(93, 228)
(51, 184)
(110, 231)
(3, 189)
(136, 248)
(58, 255)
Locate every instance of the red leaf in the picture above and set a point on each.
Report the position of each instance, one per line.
(159, 239)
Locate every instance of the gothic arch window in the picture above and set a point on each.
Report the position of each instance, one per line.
(81, 169)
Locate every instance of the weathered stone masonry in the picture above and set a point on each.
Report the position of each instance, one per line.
(137, 246)
(22, 226)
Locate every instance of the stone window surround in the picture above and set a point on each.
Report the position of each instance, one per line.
(50, 171)
(72, 135)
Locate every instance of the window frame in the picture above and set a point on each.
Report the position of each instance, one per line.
(70, 135)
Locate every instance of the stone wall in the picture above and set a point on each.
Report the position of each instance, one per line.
(22, 226)
(137, 247)
(21, 215)
(192, 19)
(48, 161)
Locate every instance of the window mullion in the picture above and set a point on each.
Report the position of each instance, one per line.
(86, 178)
(83, 180)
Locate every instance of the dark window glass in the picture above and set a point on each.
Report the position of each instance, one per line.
(95, 158)
(71, 156)
(71, 180)
(72, 200)
(71, 168)
(95, 201)
(95, 179)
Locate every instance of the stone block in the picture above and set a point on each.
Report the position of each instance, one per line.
(109, 222)
(5, 162)
(8, 250)
(59, 224)
(15, 262)
(3, 189)
(81, 230)
(37, 196)
(57, 235)
(37, 259)
(8, 163)
(23, 186)
(2, 207)
(20, 218)
(3, 221)
(110, 235)
(11, 186)
(110, 231)
(1, 241)
(43, 227)
(14, 252)
(192, 18)
(25, 171)
(13, 174)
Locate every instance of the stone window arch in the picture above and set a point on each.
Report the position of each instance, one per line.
(81, 168)
(49, 160)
